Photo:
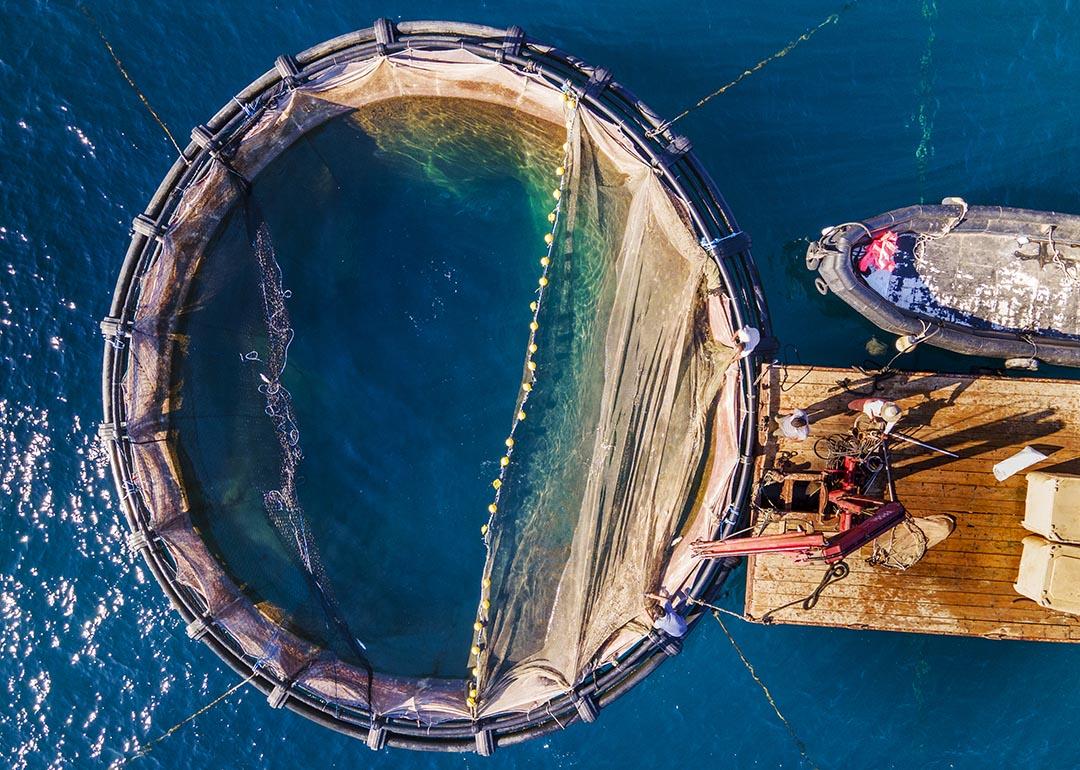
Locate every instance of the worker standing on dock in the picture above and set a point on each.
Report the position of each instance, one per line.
(889, 412)
(796, 425)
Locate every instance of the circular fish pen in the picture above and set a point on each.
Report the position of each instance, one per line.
(646, 380)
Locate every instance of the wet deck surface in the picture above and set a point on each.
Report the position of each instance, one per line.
(963, 586)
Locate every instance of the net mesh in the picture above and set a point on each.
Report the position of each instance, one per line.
(282, 504)
(627, 453)
(624, 385)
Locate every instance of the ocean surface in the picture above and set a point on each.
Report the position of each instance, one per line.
(898, 102)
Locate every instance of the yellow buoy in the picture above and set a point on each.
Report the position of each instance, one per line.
(504, 461)
(533, 348)
(560, 171)
(532, 366)
(533, 306)
(527, 387)
(545, 261)
(543, 281)
(478, 626)
(486, 582)
(485, 605)
(497, 483)
(556, 194)
(483, 529)
(548, 238)
(521, 415)
(551, 217)
(475, 650)
(476, 672)
(492, 508)
(907, 342)
(510, 441)
(534, 326)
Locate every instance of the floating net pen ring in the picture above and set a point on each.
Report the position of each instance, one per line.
(622, 138)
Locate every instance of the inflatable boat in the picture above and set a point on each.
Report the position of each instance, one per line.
(980, 280)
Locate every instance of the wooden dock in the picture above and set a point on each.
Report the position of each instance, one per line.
(963, 586)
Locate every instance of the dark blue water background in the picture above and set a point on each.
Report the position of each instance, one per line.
(900, 102)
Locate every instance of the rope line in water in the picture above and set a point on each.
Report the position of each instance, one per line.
(483, 612)
(927, 109)
(768, 695)
(832, 18)
(130, 81)
(144, 750)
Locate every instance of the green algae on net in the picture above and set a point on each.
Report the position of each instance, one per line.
(639, 402)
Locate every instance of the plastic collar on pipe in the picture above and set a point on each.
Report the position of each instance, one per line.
(288, 70)
(137, 541)
(728, 246)
(600, 79)
(586, 708)
(678, 146)
(144, 225)
(384, 35)
(512, 44)
(278, 696)
(376, 735)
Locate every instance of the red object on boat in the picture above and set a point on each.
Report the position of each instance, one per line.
(797, 542)
(883, 519)
(879, 254)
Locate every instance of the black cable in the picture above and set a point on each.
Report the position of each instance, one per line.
(834, 574)
(784, 387)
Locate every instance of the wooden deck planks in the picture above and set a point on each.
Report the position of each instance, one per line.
(964, 585)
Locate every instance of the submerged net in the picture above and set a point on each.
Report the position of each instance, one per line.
(622, 441)
(625, 380)
(282, 504)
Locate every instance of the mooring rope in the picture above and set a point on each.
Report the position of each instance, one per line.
(146, 749)
(832, 18)
(716, 609)
(768, 695)
(130, 81)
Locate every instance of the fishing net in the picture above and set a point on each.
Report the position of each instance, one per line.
(620, 448)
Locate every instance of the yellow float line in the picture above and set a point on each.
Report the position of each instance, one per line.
(527, 384)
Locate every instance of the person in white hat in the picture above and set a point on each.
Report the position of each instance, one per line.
(796, 425)
(746, 339)
(889, 412)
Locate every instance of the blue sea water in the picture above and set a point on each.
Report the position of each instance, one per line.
(898, 102)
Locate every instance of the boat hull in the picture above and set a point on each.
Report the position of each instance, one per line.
(980, 280)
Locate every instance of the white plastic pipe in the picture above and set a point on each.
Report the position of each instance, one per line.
(1024, 458)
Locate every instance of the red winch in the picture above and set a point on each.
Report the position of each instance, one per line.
(860, 518)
